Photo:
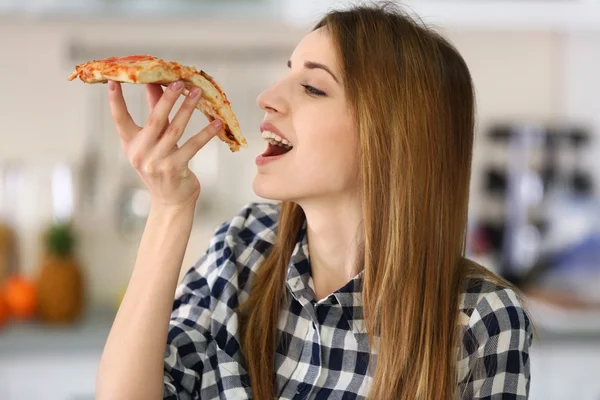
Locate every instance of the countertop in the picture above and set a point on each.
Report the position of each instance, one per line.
(87, 334)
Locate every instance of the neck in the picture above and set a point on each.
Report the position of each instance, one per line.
(332, 228)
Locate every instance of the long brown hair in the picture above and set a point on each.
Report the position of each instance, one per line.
(412, 97)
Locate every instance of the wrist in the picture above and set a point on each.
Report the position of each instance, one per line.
(174, 209)
(170, 211)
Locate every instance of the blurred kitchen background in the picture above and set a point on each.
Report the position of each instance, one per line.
(72, 208)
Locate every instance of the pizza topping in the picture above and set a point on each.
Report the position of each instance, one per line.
(128, 59)
(229, 135)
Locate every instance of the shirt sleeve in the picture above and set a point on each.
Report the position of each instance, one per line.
(202, 356)
(188, 328)
(495, 363)
(201, 320)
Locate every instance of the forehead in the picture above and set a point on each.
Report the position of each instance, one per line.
(316, 47)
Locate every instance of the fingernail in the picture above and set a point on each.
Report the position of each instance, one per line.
(111, 85)
(176, 86)
(194, 92)
(217, 123)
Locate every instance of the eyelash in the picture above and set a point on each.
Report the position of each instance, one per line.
(313, 91)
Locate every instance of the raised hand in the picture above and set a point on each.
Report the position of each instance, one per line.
(152, 149)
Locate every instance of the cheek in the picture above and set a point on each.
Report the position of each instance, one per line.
(330, 147)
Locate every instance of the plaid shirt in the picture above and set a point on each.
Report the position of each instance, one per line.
(323, 349)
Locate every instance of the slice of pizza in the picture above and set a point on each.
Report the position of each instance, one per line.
(143, 69)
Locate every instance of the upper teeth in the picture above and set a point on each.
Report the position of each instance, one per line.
(275, 139)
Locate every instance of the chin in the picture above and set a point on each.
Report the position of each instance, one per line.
(271, 188)
(266, 188)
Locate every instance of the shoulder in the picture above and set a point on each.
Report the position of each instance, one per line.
(497, 306)
(219, 281)
(247, 237)
(254, 221)
(496, 338)
(203, 338)
(236, 248)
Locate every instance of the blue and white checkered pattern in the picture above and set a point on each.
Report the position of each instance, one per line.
(323, 348)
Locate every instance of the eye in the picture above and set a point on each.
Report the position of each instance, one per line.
(313, 91)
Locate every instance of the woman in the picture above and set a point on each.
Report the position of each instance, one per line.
(356, 285)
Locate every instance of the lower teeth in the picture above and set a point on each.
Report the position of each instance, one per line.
(278, 144)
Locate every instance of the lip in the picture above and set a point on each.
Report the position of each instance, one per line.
(260, 160)
(267, 126)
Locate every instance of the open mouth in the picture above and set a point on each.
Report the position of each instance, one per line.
(277, 145)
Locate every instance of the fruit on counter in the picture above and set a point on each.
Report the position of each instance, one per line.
(8, 251)
(60, 285)
(4, 311)
(20, 296)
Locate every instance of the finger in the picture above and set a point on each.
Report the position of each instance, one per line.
(118, 109)
(193, 145)
(159, 117)
(175, 129)
(153, 94)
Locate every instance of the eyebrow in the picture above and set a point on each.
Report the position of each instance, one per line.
(316, 65)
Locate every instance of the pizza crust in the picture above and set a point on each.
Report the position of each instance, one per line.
(146, 69)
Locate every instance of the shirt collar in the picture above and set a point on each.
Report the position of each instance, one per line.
(299, 283)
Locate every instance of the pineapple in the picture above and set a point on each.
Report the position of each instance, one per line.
(60, 286)
(8, 251)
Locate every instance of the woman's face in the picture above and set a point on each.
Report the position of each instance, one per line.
(307, 108)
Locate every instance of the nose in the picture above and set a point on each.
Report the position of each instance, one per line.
(272, 100)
